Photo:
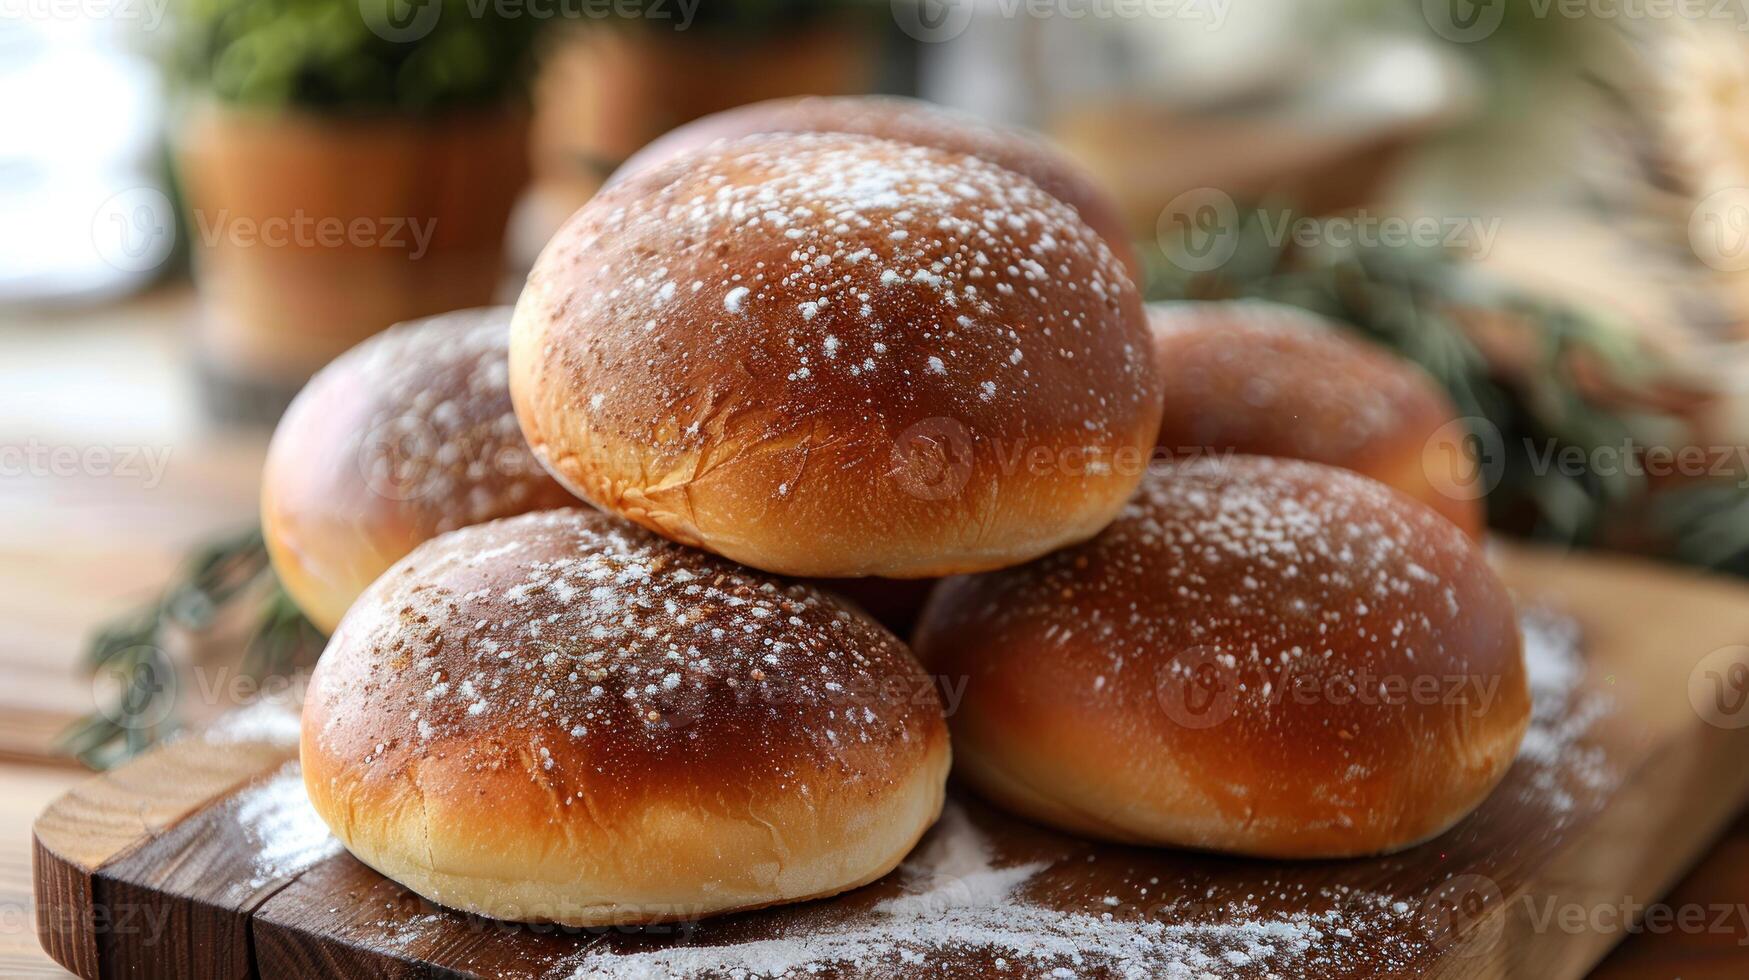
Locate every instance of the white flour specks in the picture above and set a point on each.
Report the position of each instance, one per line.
(263, 721)
(1566, 770)
(290, 837)
(959, 899)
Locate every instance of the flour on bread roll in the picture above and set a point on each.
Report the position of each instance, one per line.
(1265, 657)
(1269, 380)
(406, 436)
(908, 121)
(561, 717)
(838, 356)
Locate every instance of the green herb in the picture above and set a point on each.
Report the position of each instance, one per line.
(1437, 309)
(233, 573)
(354, 56)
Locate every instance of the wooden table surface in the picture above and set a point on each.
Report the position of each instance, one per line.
(74, 548)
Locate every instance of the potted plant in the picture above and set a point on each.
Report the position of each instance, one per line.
(347, 164)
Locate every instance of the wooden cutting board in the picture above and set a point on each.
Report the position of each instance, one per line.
(203, 860)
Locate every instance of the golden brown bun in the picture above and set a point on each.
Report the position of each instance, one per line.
(1270, 380)
(561, 717)
(406, 436)
(837, 356)
(1261, 656)
(908, 121)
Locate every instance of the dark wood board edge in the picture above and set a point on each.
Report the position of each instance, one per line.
(110, 816)
(1613, 862)
(334, 920)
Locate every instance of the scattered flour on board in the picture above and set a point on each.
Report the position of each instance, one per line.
(262, 721)
(959, 899)
(1564, 770)
(290, 837)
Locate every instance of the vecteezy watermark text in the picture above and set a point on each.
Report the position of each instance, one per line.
(1200, 229)
(303, 230)
(1469, 21)
(146, 13)
(409, 21)
(37, 459)
(935, 21)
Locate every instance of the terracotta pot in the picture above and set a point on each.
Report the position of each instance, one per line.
(310, 233)
(605, 92)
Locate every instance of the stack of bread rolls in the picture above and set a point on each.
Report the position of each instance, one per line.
(599, 571)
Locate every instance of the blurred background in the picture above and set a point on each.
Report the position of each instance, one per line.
(1546, 204)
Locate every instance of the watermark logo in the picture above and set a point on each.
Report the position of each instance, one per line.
(1465, 459)
(1199, 229)
(1718, 688)
(39, 460)
(138, 691)
(300, 229)
(396, 458)
(1469, 21)
(933, 21)
(147, 14)
(1199, 688)
(1464, 21)
(1718, 229)
(401, 21)
(135, 230)
(932, 460)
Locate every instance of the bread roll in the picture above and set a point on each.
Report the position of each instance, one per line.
(837, 356)
(406, 436)
(908, 121)
(1270, 380)
(560, 717)
(1261, 656)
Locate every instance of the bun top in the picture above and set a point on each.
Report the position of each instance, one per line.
(827, 293)
(908, 121)
(1261, 573)
(573, 648)
(1317, 665)
(1272, 380)
(405, 436)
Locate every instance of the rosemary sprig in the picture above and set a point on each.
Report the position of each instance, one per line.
(132, 650)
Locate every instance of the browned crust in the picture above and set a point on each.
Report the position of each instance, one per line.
(1264, 379)
(1185, 677)
(405, 436)
(840, 395)
(561, 717)
(908, 121)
